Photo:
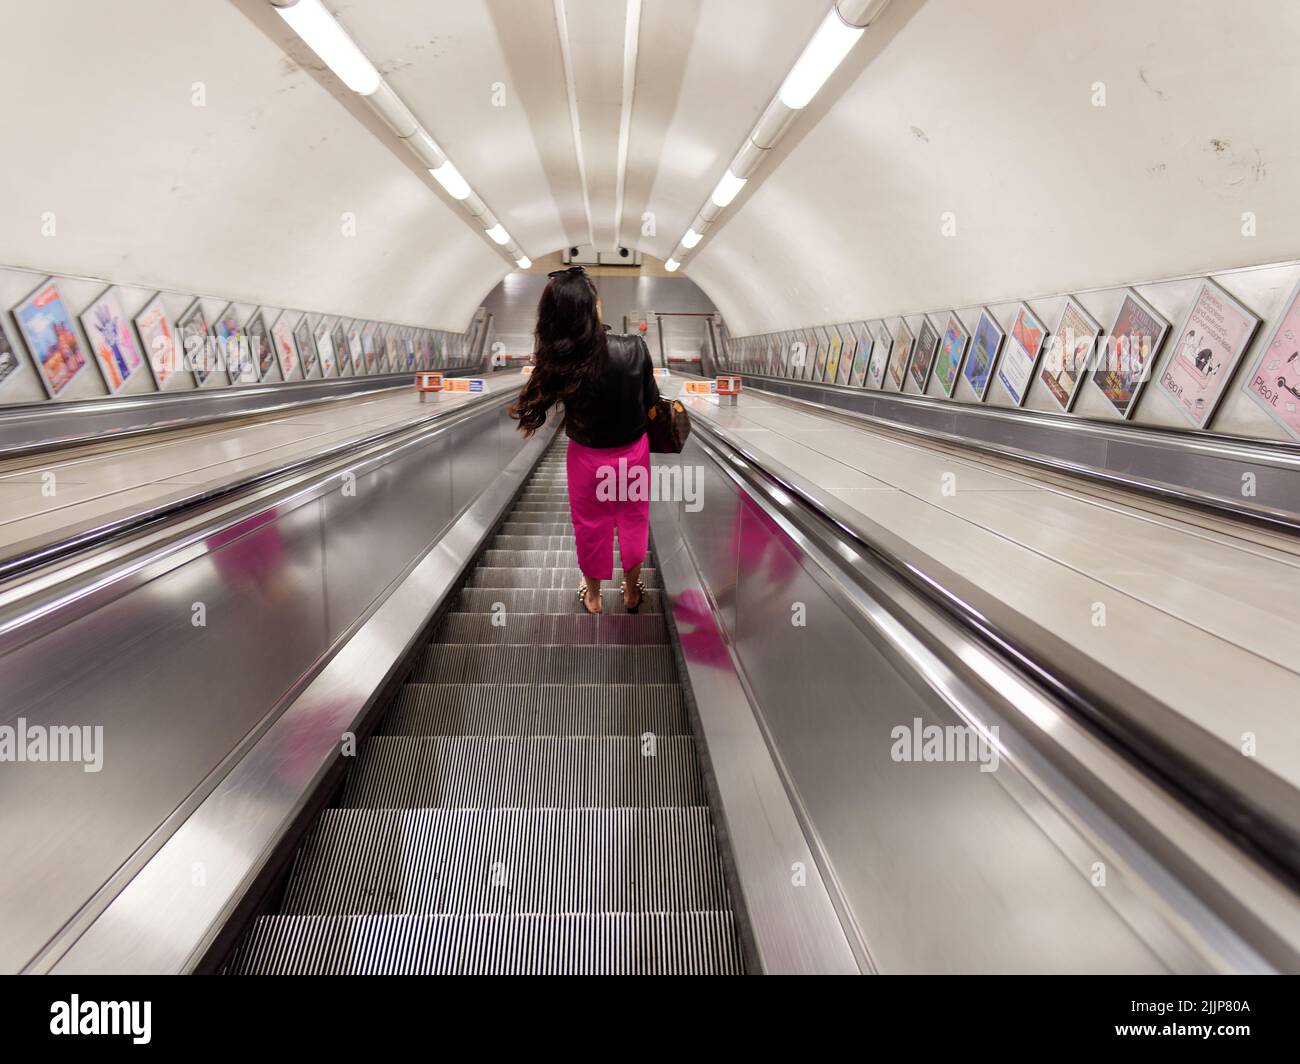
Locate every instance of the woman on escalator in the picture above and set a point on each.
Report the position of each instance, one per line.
(606, 384)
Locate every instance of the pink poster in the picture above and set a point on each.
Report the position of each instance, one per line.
(1274, 380)
(1208, 347)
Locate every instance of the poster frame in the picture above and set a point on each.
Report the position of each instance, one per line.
(985, 315)
(919, 349)
(33, 350)
(1012, 343)
(1148, 370)
(1292, 302)
(1058, 338)
(965, 337)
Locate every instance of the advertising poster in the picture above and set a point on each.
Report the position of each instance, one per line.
(952, 346)
(902, 356)
(880, 351)
(1069, 354)
(340, 338)
(394, 351)
(368, 349)
(306, 348)
(158, 341)
(823, 346)
(357, 351)
(409, 342)
(1023, 347)
(51, 338)
(984, 347)
(9, 364)
(192, 329)
(236, 355)
(1208, 347)
(862, 357)
(325, 348)
(1274, 380)
(285, 351)
(261, 349)
(1129, 353)
(833, 356)
(927, 341)
(111, 340)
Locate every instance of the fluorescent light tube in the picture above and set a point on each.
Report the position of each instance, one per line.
(830, 44)
(671, 265)
(498, 233)
(449, 178)
(691, 238)
(324, 36)
(727, 188)
(524, 263)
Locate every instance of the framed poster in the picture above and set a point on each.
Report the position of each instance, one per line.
(409, 342)
(192, 330)
(306, 347)
(369, 349)
(1023, 347)
(235, 355)
(927, 342)
(9, 361)
(356, 350)
(952, 349)
(1274, 380)
(325, 348)
(862, 356)
(285, 350)
(984, 347)
(834, 350)
(112, 342)
(158, 342)
(1213, 337)
(884, 344)
(1069, 353)
(340, 340)
(394, 350)
(823, 347)
(261, 348)
(51, 338)
(1130, 352)
(904, 341)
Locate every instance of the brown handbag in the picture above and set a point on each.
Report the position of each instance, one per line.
(667, 426)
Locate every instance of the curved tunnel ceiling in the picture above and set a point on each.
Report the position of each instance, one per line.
(981, 113)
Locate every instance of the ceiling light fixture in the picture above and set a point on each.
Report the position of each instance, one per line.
(524, 263)
(830, 44)
(671, 265)
(449, 178)
(498, 234)
(691, 238)
(324, 36)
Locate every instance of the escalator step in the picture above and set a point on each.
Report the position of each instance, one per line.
(547, 600)
(544, 663)
(535, 528)
(480, 772)
(509, 541)
(545, 559)
(370, 861)
(703, 943)
(537, 709)
(559, 577)
(621, 629)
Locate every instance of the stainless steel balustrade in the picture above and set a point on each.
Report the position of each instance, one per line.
(184, 650)
(939, 866)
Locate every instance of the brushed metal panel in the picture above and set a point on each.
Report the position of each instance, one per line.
(714, 533)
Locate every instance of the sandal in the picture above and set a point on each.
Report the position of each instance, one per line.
(640, 598)
(582, 597)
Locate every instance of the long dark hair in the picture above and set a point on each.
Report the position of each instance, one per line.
(570, 350)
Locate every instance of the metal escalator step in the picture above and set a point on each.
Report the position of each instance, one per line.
(481, 772)
(543, 559)
(559, 577)
(557, 507)
(553, 628)
(703, 943)
(537, 709)
(537, 528)
(369, 861)
(547, 600)
(544, 663)
(509, 541)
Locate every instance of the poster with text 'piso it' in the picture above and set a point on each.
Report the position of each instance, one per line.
(1207, 348)
(1274, 380)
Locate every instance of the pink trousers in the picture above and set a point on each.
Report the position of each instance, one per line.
(609, 490)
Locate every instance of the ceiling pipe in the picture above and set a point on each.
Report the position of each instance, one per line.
(834, 38)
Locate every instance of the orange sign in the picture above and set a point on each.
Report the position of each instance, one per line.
(700, 388)
(428, 382)
(728, 385)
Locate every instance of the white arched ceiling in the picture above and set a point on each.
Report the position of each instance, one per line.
(986, 110)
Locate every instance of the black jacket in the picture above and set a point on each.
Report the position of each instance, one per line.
(611, 413)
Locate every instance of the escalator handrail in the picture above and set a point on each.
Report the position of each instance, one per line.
(1245, 802)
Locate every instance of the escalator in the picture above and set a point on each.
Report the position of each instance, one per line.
(530, 802)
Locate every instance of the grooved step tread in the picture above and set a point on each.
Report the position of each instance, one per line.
(567, 577)
(702, 943)
(537, 709)
(365, 861)
(481, 772)
(544, 663)
(546, 559)
(614, 628)
(548, 600)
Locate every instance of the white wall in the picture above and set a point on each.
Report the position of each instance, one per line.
(241, 199)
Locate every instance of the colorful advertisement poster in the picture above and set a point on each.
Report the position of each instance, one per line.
(111, 340)
(1274, 380)
(904, 341)
(984, 347)
(340, 338)
(192, 330)
(369, 349)
(1129, 353)
(1023, 347)
(9, 364)
(409, 342)
(306, 348)
(862, 357)
(158, 340)
(880, 356)
(261, 348)
(1069, 354)
(51, 338)
(1206, 350)
(833, 354)
(822, 347)
(927, 341)
(325, 348)
(358, 352)
(394, 351)
(236, 355)
(952, 347)
(285, 350)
